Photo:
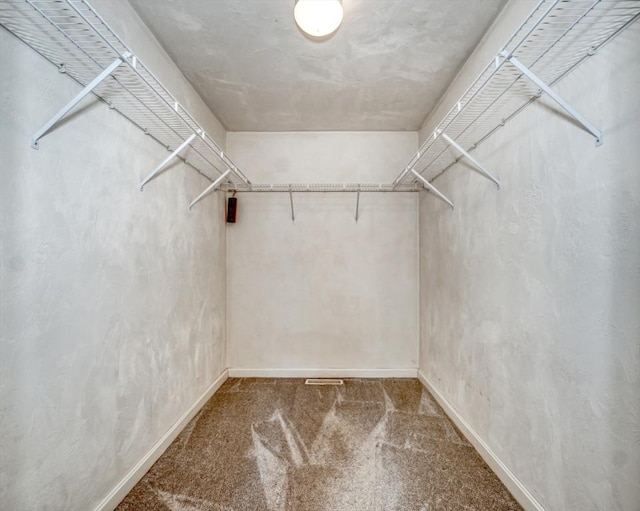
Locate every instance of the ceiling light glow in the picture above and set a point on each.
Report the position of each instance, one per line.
(318, 18)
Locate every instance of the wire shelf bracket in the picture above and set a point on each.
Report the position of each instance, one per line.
(167, 160)
(79, 97)
(555, 96)
(210, 188)
(475, 162)
(432, 188)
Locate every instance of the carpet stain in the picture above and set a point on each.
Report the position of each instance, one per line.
(280, 445)
(185, 503)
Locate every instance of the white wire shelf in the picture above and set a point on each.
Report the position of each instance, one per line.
(291, 188)
(73, 36)
(556, 37)
(324, 187)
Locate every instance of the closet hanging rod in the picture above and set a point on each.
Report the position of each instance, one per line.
(323, 187)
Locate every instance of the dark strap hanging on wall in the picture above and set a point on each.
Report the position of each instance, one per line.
(232, 209)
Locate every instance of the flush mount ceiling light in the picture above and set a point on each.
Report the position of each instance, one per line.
(318, 18)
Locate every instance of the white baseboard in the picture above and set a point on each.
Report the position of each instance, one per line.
(323, 373)
(513, 484)
(131, 479)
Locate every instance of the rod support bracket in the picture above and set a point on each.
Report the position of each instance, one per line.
(597, 133)
(210, 188)
(293, 217)
(475, 163)
(432, 188)
(71, 104)
(167, 160)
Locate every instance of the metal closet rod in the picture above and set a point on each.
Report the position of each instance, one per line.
(323, 188)
(291, 188)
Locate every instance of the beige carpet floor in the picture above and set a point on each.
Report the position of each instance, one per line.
(280, 445)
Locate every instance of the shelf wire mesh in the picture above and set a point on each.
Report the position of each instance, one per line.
(73, 36)
(556, 37)
(325, 187)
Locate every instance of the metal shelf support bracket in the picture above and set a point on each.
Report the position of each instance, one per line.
(167, 160)
(357, 203)
(432, 188)
(475, 162)
(553, 95)
(79, 97)
(210, 188)
(293, 217)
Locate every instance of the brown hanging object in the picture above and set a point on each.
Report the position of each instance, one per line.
(232, 209)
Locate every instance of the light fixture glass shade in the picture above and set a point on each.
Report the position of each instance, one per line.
(318, 18)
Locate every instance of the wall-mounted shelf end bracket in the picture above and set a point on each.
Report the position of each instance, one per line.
(464, 153)
(553, 95)
(210, 188)
(79, 97)
(432, 188)
(167, 160)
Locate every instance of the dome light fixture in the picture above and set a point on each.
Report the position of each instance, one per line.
(318, 18)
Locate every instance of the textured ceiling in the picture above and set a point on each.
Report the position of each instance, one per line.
(384, 69)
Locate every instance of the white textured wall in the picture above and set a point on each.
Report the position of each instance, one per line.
(323, 292)
(113, 301)
(530, 306)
